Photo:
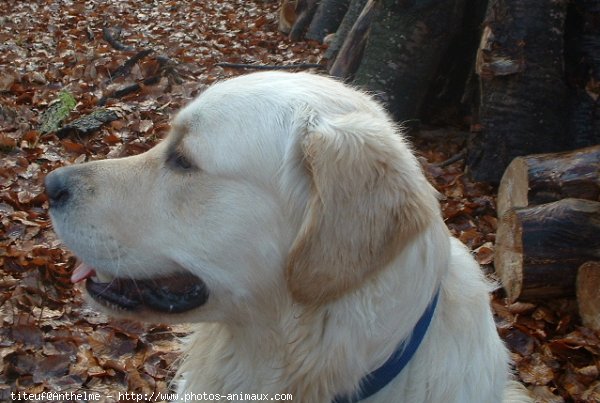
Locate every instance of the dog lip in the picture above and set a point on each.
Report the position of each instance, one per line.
(177, 293)
(111, 294)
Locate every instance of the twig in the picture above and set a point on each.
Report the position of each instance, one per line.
(457, 157)
(110, 35)
(271, 67)
(88, 123)
(125, 69)
(121, 92)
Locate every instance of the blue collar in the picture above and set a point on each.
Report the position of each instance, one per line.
(378, 379)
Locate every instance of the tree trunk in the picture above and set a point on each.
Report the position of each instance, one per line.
(305, 10)
(327, 19)
(451, 91)
(523, 93)
(354, 9)
(539, 249)
(544, 178)
(582, 65)
(405, 44)
(350, 55)
(588, 297)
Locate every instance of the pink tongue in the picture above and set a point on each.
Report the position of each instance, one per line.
(82, 271)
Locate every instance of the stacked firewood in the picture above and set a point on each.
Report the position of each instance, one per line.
(548, 239)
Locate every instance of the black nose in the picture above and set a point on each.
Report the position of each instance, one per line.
(57, 188)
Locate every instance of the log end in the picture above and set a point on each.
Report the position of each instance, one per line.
(508, 256)
(588, 295)
(514, 186)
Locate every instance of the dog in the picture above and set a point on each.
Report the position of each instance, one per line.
(287, 218)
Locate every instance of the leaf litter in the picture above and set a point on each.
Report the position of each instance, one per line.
(143, 61)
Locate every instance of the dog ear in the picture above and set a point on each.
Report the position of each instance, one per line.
(368, 199)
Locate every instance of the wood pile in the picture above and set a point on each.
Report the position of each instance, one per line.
(548, 238)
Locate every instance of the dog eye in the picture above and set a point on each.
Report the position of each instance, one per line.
(178, 161)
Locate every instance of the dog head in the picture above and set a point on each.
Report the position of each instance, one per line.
(270, 186)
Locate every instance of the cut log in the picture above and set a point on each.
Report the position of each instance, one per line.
(544, 178)
(588, 294)
(540, 248)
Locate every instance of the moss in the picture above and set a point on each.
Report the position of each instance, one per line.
(58, 110)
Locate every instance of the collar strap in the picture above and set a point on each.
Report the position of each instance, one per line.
(378, 379)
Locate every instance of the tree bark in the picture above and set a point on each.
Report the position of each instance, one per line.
(404, 46)
(88, 123)
(305, 10)
(582, 65)
(57, 112)
(350, 55)
(539, 249)
(588, 297)
(544, 178)
(354, 10)
(327, 19)
(523, 106)
(451, 91)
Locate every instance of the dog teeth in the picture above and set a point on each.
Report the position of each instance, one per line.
(102, 278)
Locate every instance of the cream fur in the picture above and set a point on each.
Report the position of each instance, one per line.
(318, 236)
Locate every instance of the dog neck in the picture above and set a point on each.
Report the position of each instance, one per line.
(377, 380)
(318, 353)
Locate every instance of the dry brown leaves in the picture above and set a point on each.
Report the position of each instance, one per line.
(554, 355)
(49, 340)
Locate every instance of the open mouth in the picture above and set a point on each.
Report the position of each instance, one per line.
(175, 293)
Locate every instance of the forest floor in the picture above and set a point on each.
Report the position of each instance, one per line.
(144, 60)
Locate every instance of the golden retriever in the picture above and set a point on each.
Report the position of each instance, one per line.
(286, 216)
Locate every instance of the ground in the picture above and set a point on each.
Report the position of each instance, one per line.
(141, 61)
